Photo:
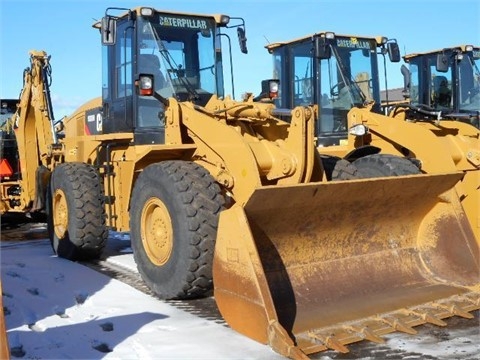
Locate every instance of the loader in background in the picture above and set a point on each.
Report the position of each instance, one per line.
(226, 195)
(339, 76)
(443, 92)
(446, 80)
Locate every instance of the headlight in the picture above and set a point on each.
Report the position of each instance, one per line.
(358, 130)
(224, 20)
(146, 11)
(145, 85)
(273, 86)
(329, 35)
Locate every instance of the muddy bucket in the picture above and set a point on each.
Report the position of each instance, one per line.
(305, 268)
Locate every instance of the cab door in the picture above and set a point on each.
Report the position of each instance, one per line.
(117, 82)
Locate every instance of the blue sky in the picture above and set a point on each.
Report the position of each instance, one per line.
(64, 30)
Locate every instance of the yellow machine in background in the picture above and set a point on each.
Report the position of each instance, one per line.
(443, 88)
(227, 195)
(447, 81)
(338, 75)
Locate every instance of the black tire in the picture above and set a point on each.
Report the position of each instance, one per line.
(76, 212)
(344, 170)
(380, 165)
(173, 226)
(337, 168)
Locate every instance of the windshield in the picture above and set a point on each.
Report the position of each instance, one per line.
(336, 83)
(346, 82)
(469, 80)
(349, 72)
(181, 52)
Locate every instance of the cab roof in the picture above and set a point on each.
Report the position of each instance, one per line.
(137, 10)
(272, 46)
(462, 48)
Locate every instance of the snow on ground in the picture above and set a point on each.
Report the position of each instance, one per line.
(460, 346)
(57, 309)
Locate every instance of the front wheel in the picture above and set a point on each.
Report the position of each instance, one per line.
(173, 226)
(379, 165)
(76, 212)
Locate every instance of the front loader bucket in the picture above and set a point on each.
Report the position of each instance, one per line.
(311, 267)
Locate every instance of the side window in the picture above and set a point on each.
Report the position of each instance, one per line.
(414, 83)
(303, 74)
(468, 80)
(219, 82)
(278, 73)
(206, 65)
(105, 73)
(123, 66)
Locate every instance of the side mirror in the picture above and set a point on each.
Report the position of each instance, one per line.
(109, 30)
(242, 40)
(442, 63)
(322, 49)
(393, 52)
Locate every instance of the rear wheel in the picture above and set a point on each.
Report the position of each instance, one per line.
(379, 165)
(75, 205)
(173, 226)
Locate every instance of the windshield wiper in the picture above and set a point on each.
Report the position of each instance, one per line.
(173, 67)
(352, 85)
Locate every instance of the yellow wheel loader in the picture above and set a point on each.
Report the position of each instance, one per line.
(335, 73)
(339, 76)
(227, 195)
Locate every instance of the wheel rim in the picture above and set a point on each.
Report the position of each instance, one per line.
(60, 214)
(156, 231)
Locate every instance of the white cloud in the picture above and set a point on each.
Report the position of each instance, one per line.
(65, 106)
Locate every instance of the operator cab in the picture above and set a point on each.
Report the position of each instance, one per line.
(334, 73)
(446, 80)
(150, 56)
